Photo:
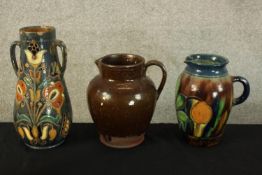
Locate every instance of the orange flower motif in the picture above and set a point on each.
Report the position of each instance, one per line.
(20, 90)
(201, 113)
(55, 95)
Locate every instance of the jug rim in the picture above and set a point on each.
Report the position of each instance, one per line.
(206, 60)
(37, 29)
(122, 60)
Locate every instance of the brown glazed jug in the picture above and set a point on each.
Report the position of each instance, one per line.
(122, 99)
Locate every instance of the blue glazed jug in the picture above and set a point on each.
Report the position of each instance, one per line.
(204, 98)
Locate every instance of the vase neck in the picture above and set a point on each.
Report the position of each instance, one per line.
(37, 46)
(37, 33)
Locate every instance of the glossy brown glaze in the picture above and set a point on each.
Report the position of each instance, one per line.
(122, 99)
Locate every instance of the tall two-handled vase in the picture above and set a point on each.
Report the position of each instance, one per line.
(42, 108)
(122, 99)
(204, 98)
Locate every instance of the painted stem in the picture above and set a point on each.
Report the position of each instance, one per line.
(41, 111)
(34, 104)
(198, 129)
(29, 109)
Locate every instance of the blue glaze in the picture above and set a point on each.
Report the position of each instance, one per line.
(42, 108)
(206, 65)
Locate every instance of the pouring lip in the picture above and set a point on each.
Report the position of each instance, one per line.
(37, 29)
(129, 60)
(206, 60)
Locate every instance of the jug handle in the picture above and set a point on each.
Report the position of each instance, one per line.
(62, 46)
(246, 90)
(164, 74)
(13, 56)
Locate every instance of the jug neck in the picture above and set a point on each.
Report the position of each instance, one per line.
(206, 65)
(37, 33)
(122, 67)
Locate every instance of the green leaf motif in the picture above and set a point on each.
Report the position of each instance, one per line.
(28, 81)
(182, 120)
(23, 118)
(49, 119)
(218, 116)
(180, 101)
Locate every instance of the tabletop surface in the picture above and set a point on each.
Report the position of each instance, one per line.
(163, 152)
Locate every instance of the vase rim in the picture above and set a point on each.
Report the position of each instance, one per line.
(206, 60)
(122, 60)
(37, 29)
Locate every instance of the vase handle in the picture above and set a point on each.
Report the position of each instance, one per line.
(246, 90)
(62, 46)
(13, 56)
(164, 74)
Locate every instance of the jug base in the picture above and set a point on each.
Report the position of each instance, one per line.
(121, 142)
(212, 141)
(44, 147)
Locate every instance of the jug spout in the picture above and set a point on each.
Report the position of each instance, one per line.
(97, 62)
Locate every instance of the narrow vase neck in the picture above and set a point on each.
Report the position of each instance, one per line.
(37, 33)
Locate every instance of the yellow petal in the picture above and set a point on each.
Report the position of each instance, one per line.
(35, 132)
(44, 133)
(39, 56)
(28, 134)
(21, 132)
(52, 134)
(29, 55)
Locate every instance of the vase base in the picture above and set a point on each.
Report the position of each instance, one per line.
(121, 142)
(44, 147)
(212, 141)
